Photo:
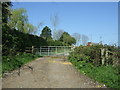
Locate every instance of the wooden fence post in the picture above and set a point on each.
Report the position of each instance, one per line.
(106, 57)
(48, 51)
(103, 56)
(32, 49)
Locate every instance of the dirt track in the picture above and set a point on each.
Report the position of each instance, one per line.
(49, 73)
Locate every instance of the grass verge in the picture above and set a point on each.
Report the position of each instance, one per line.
(10, 63)
(107, 75)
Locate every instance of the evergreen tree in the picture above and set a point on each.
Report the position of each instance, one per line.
(5, 14)
(5, 11)
(46, 33)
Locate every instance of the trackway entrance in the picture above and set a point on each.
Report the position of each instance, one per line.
(54, 50)
(51, 50)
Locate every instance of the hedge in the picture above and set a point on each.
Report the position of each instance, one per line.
(14, 41)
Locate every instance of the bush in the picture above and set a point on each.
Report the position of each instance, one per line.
(52, 42)
(14, 41)
(87, 60)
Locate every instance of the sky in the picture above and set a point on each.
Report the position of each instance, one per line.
(94, 19)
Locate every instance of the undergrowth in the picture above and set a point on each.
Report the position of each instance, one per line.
(83, 58)
(10, 63)
(103, 74)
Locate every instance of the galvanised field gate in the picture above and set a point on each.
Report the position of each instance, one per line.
(53, 50)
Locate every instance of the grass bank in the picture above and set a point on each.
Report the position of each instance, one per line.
(10, 63)
(107, 75)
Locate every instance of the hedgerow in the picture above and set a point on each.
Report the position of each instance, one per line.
(88, 61)
(14, 41)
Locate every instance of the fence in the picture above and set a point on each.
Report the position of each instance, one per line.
(109, 57)
(50, 50)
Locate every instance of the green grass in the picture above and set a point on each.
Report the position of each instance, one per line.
(107, 75)
(10, 63)
(88, 61)
(104, 74)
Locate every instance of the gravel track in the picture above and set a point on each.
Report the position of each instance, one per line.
(48, 72)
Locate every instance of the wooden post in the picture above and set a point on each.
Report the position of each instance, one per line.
(106, 57)
(32, 49)
(48, 51)
(102, 56)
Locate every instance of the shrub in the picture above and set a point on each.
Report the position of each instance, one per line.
(87, 60)
(14, 41)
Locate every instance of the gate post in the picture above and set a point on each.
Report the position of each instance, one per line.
(56, 50)
(48, 51)
(40, 51)
(32, 49)
(102, 56)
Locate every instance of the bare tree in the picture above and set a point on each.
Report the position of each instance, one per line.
(55, 21)
(59, 34)
(37, 27)
(40, 24)
(77, 37)
(84, 39)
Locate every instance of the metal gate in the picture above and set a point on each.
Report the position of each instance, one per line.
(53, 50)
